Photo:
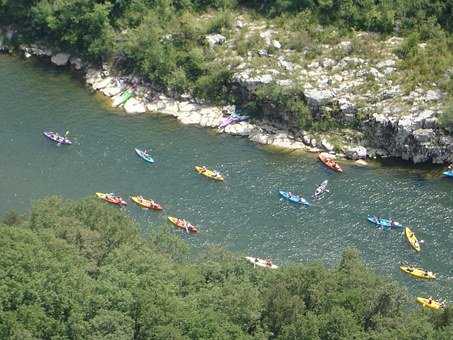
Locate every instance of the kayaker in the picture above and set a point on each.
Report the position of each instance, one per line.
(184, 224)
(430, 300)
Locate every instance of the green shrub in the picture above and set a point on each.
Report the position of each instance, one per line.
(215, 85)
(221, 23)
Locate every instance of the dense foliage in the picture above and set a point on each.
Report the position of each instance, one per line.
(82, 270)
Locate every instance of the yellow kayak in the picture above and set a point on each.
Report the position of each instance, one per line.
(418, 272)
(410, 236)
(183, 224)
(209, 173)
(429, 303)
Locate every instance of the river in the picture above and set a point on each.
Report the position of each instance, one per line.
(243, 214)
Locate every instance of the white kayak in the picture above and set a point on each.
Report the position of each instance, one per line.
(261, 263)
(321, 189)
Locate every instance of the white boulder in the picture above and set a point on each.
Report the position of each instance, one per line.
(101, 83)
(215, 39)
(60, 59)
(134, 105)
(357, 152)
(326, 145)
(76, 63)
(317, 98)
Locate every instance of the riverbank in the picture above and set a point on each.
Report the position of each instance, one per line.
(340, 83)
(136, 96)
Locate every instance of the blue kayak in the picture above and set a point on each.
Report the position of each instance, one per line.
(143, 155)
(448, 173)
(382, 222)
(294, 198)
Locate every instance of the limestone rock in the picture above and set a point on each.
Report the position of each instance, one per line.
(251, 83)
(276, 44)
(433, 95)
(357, 152)
(386, 63)
(76, 63)
(113, 88)
(215, 39)
(326, 145)
(134, 105)
(423, 135)
(318, 98)
(60, 59)
(240, 23)
(346, 46)
(100, 83)
(260, 137)
(239, 129)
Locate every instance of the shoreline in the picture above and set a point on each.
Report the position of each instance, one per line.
(188, 111)
(134, 95)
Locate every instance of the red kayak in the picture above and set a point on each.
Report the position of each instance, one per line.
(329, 161)
(111, 198)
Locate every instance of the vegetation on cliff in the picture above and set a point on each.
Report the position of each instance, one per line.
(80, 269)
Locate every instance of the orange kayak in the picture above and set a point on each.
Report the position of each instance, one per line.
(183, 224)
(146, 203)
(329, 161)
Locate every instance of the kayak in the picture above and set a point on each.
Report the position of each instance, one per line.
(448, 173)
(261, 263)
(144, 155)
(418, 272)
(329, 161)
(382, 222)
(410, 236)
(232, 119)
(321, 189)
(146, 203)
(183, 224)
(111, 198)
(55, 137)
(293, 198)
(209, 173)
(123, 98)
(433, 305)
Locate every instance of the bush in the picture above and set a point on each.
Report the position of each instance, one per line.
(222, 22)
(215, 85)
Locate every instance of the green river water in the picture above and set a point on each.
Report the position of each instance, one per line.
(243, 214)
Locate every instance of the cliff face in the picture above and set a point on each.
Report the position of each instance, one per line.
(414, 137)
(358, 83)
